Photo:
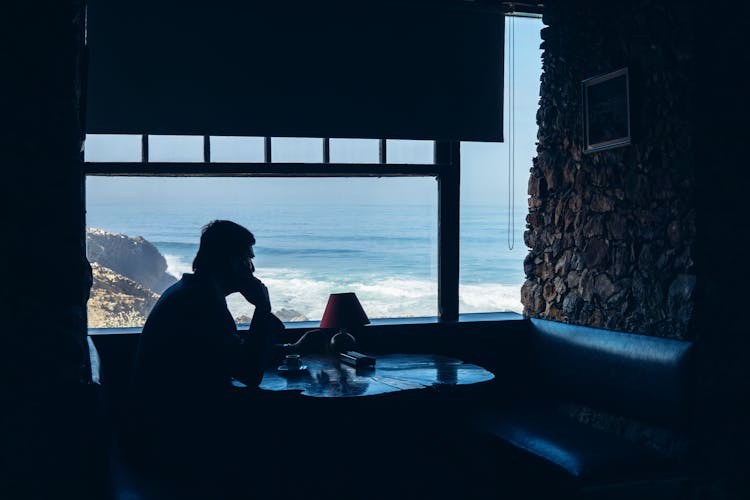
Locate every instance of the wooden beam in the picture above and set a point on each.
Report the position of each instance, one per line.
(448, 154)
(262, 169)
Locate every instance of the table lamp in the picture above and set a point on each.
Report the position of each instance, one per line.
(343, 311)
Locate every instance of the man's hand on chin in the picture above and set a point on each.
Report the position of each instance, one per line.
(256, 293)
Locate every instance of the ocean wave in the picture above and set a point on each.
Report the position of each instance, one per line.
(388, 297)
(177, 265)
(490, 297)
(306, 251)
(180, 245)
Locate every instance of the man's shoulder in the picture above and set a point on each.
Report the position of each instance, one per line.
(188, 297)
(188, 286)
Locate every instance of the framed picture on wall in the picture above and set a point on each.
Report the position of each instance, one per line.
(606, 111)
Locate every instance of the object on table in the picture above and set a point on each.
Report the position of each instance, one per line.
(357, 359)
(343, 311)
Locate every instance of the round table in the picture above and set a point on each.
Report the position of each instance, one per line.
(328, 377)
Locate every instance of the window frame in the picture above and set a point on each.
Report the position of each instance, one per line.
(446, 169)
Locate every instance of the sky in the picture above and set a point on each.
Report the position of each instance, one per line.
(484, 166)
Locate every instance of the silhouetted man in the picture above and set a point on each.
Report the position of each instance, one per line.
(190, 349)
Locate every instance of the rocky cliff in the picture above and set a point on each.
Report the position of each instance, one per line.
(129, 275)
(134, 258)
(117, 301)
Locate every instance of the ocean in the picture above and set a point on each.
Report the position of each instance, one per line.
(385, 253)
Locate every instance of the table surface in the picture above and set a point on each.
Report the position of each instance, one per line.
(327, 377)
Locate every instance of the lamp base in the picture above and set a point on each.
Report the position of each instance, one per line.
(342, 341)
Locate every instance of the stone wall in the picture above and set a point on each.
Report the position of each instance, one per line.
(611, 234)
(651, 237)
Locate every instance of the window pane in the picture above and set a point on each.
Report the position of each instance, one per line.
(491, 274)
(315, 236)
(405, 151)
(492, 246)
(175, 148)
(296, 150)
(112, 147)
(237, 149)
(355, 151)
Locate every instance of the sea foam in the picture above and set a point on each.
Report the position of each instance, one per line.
(387, 297)
(177, 265)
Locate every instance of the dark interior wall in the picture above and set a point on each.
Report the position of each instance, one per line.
(48, 423)
(720, 318)
(47, 274)
(611, 233)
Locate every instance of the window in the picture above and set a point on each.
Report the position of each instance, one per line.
(376, 236)
(494, 179)
(377, 217)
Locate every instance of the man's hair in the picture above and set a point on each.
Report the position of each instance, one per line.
(221, 242)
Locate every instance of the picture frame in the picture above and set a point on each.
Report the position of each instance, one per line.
(606, 111)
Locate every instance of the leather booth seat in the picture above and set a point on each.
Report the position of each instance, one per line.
(638, 376)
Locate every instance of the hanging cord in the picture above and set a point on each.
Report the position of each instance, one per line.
(511, 129)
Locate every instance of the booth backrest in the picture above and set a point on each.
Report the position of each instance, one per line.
(637, 375)
(116, 353)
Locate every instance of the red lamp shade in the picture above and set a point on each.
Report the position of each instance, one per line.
(343, 311)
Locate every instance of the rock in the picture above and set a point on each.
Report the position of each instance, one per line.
(573, 279)
(559, 210)
(619, 300)
(290, 315)
(617, 227)
(286, 315)
(604, 287)
(621, 261)
(531, 298)
(561, 266)
(674, 232)
(576, 202)
(548, 291)
(679, 296)
(532, 218)
(595, 252)
(529, 265)
(560, 286)
(243, 318)
(586, 285)
(646, 260)
(134, 258)
(577, 263)
(117, 301)
(571, 304)
(596, 319)
(537, 187)
(594, 226)
(547, 271)
(553, 313)
(552, 178)
(557, 246)
(528, 238)
(601, 203)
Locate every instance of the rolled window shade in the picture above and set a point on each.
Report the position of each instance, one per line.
(358, 69)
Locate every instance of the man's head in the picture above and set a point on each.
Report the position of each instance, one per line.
(225, 251)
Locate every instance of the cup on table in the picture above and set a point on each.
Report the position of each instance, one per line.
(292, 362)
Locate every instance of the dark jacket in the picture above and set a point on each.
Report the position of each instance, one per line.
(190, 349)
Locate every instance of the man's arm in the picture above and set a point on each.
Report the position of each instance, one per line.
(256, 348)
(256, 293)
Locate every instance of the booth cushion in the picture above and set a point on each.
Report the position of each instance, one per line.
(637, 375)
(587, 454)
